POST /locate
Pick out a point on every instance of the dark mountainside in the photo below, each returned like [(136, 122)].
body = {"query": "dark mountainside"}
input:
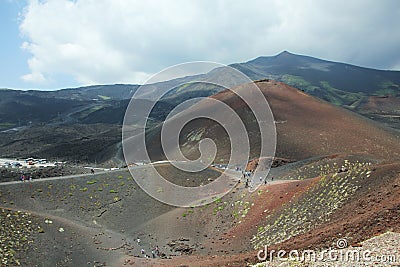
[(338, 83), (316, 76), (368, 92), (371, 93), (337, 174), (341, 180)]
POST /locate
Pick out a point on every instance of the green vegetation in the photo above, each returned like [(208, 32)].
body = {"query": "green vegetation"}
[(182, 87), (388, 88), (241, 208), (104, 97), (298, 82), (7, 125), (324, 90), (196, 135), (315, 206), (16, 235), (339, 97), (83, 114)]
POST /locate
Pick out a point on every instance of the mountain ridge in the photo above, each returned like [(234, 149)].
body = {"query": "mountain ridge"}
[(342, 84)]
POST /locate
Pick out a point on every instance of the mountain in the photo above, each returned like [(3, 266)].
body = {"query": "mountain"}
[(306, 127), (339, 178), (338, 83), (86, 93), (371, 93)]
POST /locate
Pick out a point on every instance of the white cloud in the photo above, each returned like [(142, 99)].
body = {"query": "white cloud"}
[(118, 41), (34, 77)]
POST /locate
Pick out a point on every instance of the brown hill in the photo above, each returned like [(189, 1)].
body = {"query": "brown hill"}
[(102, 215), (306, 127), (385, 109)]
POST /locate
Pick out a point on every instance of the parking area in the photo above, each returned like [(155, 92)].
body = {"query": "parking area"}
[(27, 163)]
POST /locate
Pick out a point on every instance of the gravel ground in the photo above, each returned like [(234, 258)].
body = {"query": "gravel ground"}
[(14, 174), (382, 250)]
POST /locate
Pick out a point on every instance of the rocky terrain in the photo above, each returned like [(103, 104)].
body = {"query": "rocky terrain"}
[(336, 176)]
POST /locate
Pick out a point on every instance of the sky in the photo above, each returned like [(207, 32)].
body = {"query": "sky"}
[(63, 43)]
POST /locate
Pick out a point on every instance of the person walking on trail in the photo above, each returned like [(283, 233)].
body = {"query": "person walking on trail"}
[(138, 240), (153, 254), (92, 171)]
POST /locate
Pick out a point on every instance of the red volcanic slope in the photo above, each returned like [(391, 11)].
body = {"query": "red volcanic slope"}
[(306, 127)]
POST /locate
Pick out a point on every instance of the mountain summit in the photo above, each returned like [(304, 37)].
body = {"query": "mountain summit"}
[(338, 83)]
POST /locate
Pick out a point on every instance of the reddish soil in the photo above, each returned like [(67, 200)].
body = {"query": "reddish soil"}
[(252, 165), (372, 211), (271, 200), (313, 127), (368, 213), (306, 127), (381, 104)]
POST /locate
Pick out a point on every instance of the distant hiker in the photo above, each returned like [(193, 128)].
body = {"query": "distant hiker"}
[(138, 240), (142, 251), (272, 178), (92, 171), (23, 178), (153, 253), (265, 181), (247, 183)]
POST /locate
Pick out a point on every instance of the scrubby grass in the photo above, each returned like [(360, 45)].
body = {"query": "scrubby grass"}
[(339, 97), (316, 205), (6, 125), (388, 88), (16, 235), (298, 82)]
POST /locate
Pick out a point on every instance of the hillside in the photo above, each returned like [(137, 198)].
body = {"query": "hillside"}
[(306, 127), (338, 83), (342, 181)]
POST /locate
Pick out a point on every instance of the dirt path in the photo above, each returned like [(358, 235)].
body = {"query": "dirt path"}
[(63, 177)]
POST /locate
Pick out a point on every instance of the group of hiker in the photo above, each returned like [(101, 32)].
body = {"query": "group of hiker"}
[(248, 174), (155, 252), (25, 177)]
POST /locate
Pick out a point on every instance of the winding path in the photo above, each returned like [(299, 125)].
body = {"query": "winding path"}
[(63, 177)]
